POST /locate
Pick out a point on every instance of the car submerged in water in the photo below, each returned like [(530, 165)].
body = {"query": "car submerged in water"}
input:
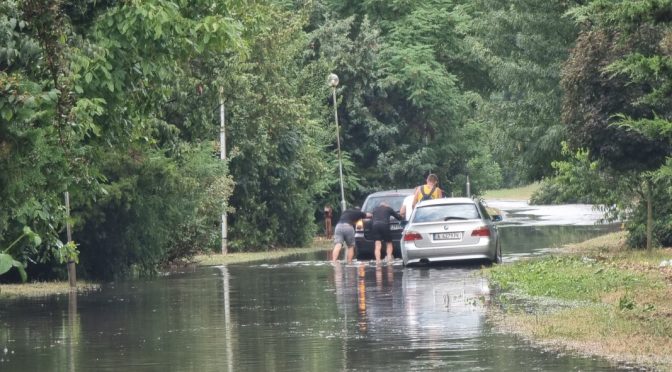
[(363, 235), (450, 229)]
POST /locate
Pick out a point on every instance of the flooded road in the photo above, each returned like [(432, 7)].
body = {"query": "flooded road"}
[(298, 314)]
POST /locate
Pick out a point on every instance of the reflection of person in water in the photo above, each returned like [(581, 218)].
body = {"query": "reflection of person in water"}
[(389, 278), (361, 300), (345, 284)]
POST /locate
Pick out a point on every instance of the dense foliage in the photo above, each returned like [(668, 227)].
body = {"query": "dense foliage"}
[(522, 46), (118, 103), (617, 102)]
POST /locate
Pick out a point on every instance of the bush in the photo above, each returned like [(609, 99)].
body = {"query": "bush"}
[(662, 226), (577, 180), (552, 191), (153, 210)]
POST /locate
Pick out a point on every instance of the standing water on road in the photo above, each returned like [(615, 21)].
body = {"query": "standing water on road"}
[(298, 314)]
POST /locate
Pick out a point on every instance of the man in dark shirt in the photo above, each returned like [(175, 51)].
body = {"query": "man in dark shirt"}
[(345, 232), (381, 230)]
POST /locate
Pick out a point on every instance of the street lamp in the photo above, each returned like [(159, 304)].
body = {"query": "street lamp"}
[(332, 80)]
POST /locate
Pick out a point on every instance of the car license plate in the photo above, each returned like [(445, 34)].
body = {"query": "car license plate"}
[(395, 226), (454, 235)]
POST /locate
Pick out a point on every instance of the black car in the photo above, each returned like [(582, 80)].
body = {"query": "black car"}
[(363, 239)]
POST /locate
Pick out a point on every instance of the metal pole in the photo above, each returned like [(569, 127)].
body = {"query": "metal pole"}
[(468, 188), (338, 145), (222, 156), (72, 272)]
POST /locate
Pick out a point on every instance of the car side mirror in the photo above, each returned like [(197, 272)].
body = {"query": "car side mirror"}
[(496, 218)]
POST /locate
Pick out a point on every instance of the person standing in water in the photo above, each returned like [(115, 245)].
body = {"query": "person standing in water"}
[(381, 230), (344, 232)]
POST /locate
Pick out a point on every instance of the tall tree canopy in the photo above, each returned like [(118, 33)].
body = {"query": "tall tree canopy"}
[(618, 69), (522, 45), (118, 103), (617, 102)]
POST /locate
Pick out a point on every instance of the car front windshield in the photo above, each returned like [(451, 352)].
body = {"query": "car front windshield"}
[(394, 201), (446, 212)]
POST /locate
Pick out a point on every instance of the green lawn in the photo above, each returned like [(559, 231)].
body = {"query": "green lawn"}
[(615, 301), (519, 193)]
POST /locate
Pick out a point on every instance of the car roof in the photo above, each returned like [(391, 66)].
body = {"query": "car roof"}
[(441, 201), (403, 192)]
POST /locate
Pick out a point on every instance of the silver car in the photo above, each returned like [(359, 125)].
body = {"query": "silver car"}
[(450, 229)]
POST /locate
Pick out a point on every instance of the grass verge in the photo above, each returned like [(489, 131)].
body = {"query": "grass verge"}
[(41, 289), (518, 193), (319, 244), (596, 298)]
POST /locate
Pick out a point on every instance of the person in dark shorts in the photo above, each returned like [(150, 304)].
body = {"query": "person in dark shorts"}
[(381, 230), (344, 232)]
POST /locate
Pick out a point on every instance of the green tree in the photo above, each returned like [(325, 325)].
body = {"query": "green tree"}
[(617, 79), (277, 145), (88, 90), (40, 124), (404, 102), (521, 46)]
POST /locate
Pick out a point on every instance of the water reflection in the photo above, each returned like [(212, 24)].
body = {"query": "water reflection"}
[(518, 241), (73, 330), (227, 317), (429, 318), (361, 300), (298, 316), (284, 315)]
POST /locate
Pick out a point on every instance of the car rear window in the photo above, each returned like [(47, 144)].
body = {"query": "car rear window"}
[(446, 212), (394, 202)]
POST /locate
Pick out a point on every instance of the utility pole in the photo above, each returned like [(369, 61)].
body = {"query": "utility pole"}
[(222, 156)]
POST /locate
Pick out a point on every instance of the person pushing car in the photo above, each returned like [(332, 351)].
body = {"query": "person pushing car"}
[(344, 233), (380, 228)]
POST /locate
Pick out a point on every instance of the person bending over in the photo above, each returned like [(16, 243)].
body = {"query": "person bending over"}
[(381, 230), (344, 232)]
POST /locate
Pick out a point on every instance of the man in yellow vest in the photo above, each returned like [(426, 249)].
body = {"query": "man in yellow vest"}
[(428, 191)]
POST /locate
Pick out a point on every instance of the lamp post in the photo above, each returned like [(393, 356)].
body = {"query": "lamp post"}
[(332, 80), (222, 156)]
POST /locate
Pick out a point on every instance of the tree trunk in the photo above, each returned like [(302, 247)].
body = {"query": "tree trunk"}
[(649, 215), (72, 273)]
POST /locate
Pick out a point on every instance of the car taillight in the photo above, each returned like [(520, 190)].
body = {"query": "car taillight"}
[(481, 231), (410, 236), (359, 226)]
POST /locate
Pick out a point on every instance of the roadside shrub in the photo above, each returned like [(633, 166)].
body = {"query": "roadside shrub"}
[(552, 191), (152, 210), (578, 180), (662, 226), (200, 230)]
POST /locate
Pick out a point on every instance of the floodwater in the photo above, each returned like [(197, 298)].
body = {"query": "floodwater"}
[(297, 314)]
